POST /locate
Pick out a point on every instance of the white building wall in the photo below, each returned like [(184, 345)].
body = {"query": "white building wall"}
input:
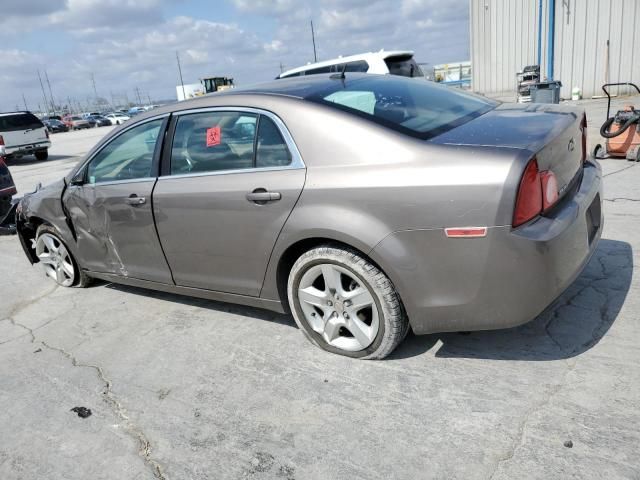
[(504, 38)]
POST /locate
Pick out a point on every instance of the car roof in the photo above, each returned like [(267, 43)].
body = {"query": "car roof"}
[(382, 54), (298, 87), (24, 112)]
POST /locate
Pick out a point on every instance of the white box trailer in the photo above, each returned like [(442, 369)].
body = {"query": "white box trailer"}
[(189, 90)]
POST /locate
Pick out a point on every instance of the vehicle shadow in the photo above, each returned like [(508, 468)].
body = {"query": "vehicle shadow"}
[(234, 309), (573, 324)]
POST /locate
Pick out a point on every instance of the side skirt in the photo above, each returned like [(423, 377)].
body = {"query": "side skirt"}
[(272, 305)]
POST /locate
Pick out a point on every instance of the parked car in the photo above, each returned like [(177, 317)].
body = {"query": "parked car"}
[(75, 122), (7, 190), (22, 133), (99, 121), (393, 62), (55, 126), (117, 118), (364, 204)]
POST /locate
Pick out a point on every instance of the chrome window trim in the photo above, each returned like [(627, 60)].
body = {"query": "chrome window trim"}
[(117, 182), (296, 159), (124, 130)]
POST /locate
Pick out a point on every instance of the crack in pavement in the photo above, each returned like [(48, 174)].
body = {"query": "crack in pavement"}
[(616, 199), (134, 431), (595, 334), (621, 170), (546, 400)]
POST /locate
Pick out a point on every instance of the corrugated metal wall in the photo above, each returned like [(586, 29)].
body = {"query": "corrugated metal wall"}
[(504, 38)]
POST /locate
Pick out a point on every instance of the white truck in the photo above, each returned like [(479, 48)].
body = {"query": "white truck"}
[(22, 133)]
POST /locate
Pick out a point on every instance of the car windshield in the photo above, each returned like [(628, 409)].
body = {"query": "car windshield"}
[(19, 121), (419, 108)]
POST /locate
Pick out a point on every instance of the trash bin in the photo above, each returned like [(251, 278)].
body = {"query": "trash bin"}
[(546, 92)]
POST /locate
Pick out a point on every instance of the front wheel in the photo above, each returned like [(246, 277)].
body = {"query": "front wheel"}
[(346, 305), (42, 154), (58, 263)]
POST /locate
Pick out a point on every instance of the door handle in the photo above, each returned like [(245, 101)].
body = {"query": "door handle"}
[(134, 199), (262, 196)]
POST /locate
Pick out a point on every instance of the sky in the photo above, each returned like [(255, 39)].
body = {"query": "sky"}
[(126, 45)]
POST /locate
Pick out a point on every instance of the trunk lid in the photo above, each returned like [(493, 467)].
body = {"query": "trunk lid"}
[(552, 133)]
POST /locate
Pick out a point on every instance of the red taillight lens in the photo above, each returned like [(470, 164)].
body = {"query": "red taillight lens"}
[(583, 127), (1, 140), (529, 201), (538, 192)]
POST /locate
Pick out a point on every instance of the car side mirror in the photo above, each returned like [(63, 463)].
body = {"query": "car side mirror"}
[(79, 178)]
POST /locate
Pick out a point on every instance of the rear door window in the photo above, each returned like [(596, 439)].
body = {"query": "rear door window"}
[(213, 141), (19, 121), (271, 150)]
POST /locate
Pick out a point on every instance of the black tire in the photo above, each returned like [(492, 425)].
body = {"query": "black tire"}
[(42, 154), (597, 151), (82, 280), (393, 322)]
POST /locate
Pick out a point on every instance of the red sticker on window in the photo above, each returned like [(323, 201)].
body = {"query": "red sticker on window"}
[(213, 136)]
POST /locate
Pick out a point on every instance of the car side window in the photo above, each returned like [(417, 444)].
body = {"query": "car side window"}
[(126, 157), (213, 141), (271, 149)]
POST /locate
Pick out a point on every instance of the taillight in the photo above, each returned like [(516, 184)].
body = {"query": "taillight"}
[(1, 140), (537, 193), (583, 127)]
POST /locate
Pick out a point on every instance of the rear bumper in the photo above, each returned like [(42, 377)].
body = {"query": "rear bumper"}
[(27, 149), (502, 280)]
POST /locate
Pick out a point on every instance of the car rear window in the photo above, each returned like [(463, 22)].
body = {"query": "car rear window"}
[(19, 121), (419, 108)]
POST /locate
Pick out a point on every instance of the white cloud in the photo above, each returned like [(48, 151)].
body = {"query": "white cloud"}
[(132, 43)]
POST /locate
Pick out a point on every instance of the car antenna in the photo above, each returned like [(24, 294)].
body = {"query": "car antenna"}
[(340, 76)]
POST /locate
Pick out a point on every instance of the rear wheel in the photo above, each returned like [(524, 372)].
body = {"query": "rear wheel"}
[(344, 304), (57, 261), (42, 154)]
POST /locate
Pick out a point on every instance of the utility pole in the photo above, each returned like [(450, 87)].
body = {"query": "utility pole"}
[(25, 102), (44, 95), (184, 95), (53, 102), (313, 39)]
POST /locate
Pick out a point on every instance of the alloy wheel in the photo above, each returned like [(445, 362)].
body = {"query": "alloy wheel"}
[(339, 306), (55, 259)]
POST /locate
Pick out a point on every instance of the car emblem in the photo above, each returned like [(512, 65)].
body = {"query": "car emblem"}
[(572, 145)]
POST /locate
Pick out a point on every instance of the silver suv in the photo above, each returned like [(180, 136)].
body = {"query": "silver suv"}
[(22, 133)]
